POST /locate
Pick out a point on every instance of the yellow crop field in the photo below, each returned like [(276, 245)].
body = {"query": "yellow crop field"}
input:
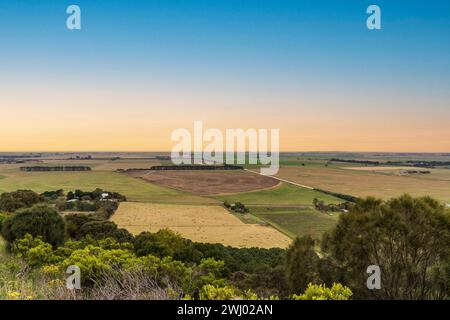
[(211, 224)]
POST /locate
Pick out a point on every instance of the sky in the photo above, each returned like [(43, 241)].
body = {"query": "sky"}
[(138, 70)]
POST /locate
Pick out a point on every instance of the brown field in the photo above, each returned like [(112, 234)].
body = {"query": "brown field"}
[(208, 182), (211, 224), (363, 183)]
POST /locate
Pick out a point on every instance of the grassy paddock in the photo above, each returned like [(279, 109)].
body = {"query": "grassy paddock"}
[(284, 194), (297, 221), (133, 189)]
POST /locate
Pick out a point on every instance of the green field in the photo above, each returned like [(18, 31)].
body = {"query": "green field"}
[(297, 221), (287, 208), (284, 194), (133, 189)]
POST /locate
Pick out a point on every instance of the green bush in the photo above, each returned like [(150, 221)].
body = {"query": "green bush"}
[(34, 251), (53, 195), (210, 271), (95, 261), (239, 207), (166, 243), (302, 264), (75, 221), (321, 292), (99, 229), (408, 238), (211, 292), (12, 201), (3, 216), (39, 220)]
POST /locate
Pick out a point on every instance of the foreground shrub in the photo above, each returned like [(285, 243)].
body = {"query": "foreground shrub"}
[(39, 220), (210, 292), (210, 271), (95, 263), (302, 264)]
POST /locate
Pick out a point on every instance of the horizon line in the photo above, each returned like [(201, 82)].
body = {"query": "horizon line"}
[(161, 151)]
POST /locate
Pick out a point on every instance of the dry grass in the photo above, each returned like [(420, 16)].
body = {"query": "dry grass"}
[(212, 224)]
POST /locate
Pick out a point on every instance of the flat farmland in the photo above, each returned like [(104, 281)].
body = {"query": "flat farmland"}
[(297, 221), (210, 182), (133, 189), (282, 194), (211, 224), (362, 183)]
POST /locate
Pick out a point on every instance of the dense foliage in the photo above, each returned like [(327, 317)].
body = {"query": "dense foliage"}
[(12, 201), (105, 229), (52, 195), (39, 220), (408, 238), (97, 194), (238, 207), (302, 264), (3, 216), (321, 292)]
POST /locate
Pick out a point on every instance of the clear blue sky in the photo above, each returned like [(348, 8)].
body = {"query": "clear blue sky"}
[(244, 36)]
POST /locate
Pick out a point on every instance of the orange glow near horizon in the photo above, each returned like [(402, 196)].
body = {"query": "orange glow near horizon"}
[(113, 119)]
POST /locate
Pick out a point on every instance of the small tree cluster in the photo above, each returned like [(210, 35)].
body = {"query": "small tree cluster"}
[(12, 201), (236, 207)]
